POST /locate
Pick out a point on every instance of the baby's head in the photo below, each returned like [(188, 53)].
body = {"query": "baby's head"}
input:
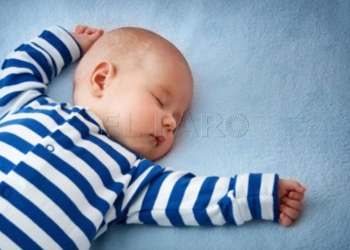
[(139, 84)]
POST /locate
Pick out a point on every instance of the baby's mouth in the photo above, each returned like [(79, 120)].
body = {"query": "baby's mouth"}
[(159, 139)]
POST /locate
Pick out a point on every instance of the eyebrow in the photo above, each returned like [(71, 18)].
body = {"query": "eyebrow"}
[(165, 89)]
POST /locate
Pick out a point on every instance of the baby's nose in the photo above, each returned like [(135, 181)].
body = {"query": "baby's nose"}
[(169, 123)]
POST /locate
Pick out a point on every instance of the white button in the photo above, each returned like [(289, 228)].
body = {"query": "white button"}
[(50, 147)]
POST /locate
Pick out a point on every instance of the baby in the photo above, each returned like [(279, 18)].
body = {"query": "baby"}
[(68, 173)]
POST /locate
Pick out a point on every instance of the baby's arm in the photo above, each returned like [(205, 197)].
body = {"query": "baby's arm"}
[(26, 71), (175, 198)]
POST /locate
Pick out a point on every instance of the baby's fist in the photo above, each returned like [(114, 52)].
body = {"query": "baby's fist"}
[(290, 194), (86, 36)]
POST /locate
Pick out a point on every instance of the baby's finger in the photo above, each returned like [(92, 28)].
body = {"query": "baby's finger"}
[(97, 33), (76, 30), (300, 188), (296, 195), (285, 220), (290, 212), (80, 29), (296, 204), (90, 31), (295, 186)]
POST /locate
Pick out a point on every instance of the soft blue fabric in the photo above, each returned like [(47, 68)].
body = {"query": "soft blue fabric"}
[(283, 65)]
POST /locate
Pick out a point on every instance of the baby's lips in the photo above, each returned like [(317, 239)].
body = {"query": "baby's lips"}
[(160, 138)]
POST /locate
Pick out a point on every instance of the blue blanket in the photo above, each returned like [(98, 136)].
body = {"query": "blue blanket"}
[(272, 91)]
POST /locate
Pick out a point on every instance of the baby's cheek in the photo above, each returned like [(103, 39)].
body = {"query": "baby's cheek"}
[(169, 144), (170, 139)]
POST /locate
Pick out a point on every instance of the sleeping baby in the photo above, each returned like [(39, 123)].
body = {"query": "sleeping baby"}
[(70, 172)]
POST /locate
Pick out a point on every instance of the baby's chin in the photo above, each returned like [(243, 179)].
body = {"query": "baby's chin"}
[(152, 153), (146, 148)]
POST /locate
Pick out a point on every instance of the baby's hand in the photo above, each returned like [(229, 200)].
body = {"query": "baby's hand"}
[(290, 194), (86, 36)]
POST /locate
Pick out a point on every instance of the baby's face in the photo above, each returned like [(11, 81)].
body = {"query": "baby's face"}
[(145, 103)]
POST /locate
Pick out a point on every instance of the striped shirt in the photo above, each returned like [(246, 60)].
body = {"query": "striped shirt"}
[(64, 181)]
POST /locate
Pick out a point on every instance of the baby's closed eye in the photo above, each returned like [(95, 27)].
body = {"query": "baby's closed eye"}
[(159, 100)]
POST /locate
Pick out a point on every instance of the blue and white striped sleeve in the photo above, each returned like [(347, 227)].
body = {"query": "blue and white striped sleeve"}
[(32, 65), (174, 198)]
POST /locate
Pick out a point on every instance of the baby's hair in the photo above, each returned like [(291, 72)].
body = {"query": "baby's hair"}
[(115, 45)]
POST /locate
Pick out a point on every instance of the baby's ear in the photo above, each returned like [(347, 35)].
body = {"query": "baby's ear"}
[(101, 75)]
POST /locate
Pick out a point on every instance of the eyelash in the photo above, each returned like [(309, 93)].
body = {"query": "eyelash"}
[(159, 102)]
